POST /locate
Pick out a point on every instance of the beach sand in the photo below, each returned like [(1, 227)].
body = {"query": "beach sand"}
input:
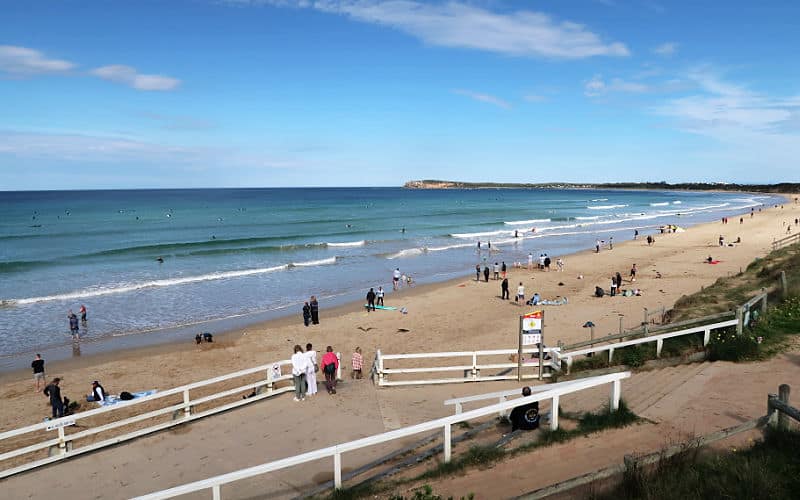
[(459, 314)]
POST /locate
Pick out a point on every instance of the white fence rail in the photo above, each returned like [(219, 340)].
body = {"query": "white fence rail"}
[(215, 483), (64, 445), (470, 367), (658, 339)]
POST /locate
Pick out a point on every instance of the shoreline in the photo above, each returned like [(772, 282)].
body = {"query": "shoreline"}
[(176, 339)]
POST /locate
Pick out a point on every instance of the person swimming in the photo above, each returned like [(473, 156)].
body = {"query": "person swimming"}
[(160, 260)]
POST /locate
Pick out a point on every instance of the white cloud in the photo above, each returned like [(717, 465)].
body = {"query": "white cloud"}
[(22, 61), (666, 49), (454, 24), (595, 86), (129, 76), (490, 99)]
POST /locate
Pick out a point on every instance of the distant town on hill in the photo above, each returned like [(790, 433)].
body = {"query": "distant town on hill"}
[(783, 187)]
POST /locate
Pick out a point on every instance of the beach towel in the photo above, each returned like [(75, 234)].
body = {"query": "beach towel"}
[(111, 400), (715, 262), (556, 302)]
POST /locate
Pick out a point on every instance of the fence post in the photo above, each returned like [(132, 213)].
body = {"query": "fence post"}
[(706, 337), (554, 414), (187, 409), (739, 321), (380, 366), (337, 471), (783, 394), (616, 393), (784, 289), (448, 443), (764, 303), (610, 355), (659, 346), (339, 369), (645, 322), (62, 443), (475, 366), (772, 417), (215, 493)]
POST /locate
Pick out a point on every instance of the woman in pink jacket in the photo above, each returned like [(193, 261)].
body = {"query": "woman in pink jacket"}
[(330, 366)]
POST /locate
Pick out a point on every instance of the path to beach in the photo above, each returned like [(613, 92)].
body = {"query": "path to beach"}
[(457, 315)]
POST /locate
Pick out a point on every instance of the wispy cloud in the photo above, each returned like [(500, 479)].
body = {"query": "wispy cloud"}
[(179, 122), (127, 75), (23, 61), (490, 99), (455, 24), (534, 98), (598, 86), (666, 49)]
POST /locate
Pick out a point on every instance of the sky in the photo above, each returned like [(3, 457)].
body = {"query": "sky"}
[(287, 93)]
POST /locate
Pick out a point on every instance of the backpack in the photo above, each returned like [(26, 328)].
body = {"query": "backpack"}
[(125, 396)]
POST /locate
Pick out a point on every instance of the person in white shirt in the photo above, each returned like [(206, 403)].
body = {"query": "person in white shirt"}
[(396, 278), (520, 293), (379, 295), (299, 369), (311, 370), (98, 393), (530, 260)]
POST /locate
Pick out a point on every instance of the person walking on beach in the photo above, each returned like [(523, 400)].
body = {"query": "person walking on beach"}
[(396, 278), (613, 285), (547, 262), (314, 310), (619, 282), (82, 310), (520, 293), (330, 364), (611, 243), (54, 392), (486, 273), (357, 363), (560, 264), (477, 272), (649, 240), (530, 261), (311, 370), (503, 269), (633, 273), (371, 300), (379, 295), (299, 369), (73, 322), (306, 314), (597, 246), (38, 372), (635, 234), (496, 270), (504, 289)]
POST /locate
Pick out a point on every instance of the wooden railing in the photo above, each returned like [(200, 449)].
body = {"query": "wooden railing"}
[(786, 241), (445, 424)]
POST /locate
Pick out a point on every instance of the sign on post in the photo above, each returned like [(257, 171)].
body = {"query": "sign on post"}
[(57, 425), (531, 328)]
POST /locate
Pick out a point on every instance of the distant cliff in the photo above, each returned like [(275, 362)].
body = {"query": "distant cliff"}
[(785, 187)]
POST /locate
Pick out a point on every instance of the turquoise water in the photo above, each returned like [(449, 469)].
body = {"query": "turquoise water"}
[(241, 252)]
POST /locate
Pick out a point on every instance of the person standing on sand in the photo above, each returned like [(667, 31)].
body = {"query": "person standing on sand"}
[(371, 300), (330, 364), (560, 264), (530, 261), (299, 369), (633, 273), (306, 314), (486, 273), (611, 243), (504, 289), (496, 269), (520, 293), (649, 240), (597, 246), (314, 310), (379, 295), (311, 370), (635, 234), (503, 269), (547, 262), (54, 392), (619, 282), (38, 372), (395, 278), (613, 285), (477, 272), (357, 363)]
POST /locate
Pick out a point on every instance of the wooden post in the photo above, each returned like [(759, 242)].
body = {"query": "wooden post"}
[(645, 322), (783, 394), (620, 325), (541, 350), (739, 321), (764, 303), (448, 443), (519, 352), (784, 289), (616, 393)]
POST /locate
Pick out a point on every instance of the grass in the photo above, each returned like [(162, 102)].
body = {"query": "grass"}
[(425, 492), (768, 470)]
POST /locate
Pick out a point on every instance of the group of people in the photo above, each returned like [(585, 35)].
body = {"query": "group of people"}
[(311, 311), (399, 279), (373, 297), (60, 405), (73, 320), (616, 285), (305, 368)]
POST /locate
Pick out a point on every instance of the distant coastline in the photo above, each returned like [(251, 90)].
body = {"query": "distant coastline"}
[(784, 187)]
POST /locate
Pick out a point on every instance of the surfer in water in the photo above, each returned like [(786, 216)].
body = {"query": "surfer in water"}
[(160, 260)]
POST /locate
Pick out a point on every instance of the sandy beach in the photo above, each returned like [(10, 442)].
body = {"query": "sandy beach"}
[(460, 314)]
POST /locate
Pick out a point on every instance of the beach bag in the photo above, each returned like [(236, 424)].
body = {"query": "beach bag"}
[(125, 396), (316, 368), (330, 368)]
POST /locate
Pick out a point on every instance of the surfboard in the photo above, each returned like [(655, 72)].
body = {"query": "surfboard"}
[(384, 308)]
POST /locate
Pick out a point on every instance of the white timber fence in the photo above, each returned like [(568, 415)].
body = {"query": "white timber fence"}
[(469, 366), (569, 356), (32, 446), (445, 424)]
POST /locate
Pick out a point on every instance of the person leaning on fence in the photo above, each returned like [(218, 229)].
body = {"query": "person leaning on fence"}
[(525, 417), (299, 368), (330, 364)]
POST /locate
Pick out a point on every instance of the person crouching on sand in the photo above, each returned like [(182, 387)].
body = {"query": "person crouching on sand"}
[(330, 364)]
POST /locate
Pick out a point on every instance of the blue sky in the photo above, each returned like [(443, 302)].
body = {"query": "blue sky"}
[(207, 93)]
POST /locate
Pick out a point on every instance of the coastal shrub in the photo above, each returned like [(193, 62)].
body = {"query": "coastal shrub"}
[(633, 356), (726, 345), (426, 493), (767, 470), (607, 419)]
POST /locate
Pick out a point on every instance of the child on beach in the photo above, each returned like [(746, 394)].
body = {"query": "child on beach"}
[(357, 363)]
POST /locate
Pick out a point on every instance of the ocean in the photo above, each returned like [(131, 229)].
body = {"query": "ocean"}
[(147, 261)]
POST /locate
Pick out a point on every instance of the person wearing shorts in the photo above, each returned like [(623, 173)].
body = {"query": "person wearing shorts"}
[(38, 372), (396, 278)]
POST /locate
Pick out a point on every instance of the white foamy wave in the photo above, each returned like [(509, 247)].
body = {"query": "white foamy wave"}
[(347, 244), (479, 235), (310, 263), (600, 199), (604, 207), (408, 252), (677, 202), (96, 292), (663, 204), (449, 247), (525, 222), (594, 217)]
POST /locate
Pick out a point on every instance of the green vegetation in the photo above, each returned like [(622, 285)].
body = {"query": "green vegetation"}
[(426, 493), (768, 470)]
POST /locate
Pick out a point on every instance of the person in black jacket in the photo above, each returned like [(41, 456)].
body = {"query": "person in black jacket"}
[(504, 289), (54, 392), (371, 300), (525, 417), (306, 314), (314, 310)]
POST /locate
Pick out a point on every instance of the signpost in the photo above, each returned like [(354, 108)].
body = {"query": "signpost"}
[(531, 332)]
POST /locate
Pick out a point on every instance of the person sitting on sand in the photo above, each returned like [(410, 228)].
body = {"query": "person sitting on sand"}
[(525, 417), (709, 259), (98, 394)]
